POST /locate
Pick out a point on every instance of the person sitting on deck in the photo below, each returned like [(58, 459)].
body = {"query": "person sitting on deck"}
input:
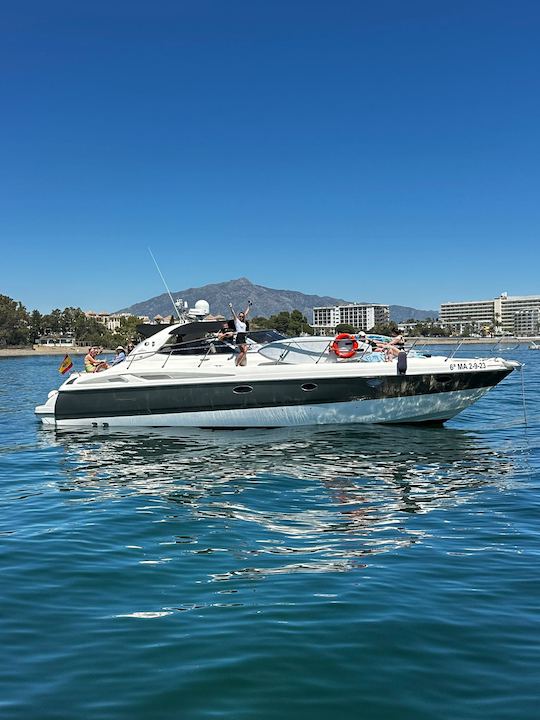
[(120, 355), (225, 333), (91, 363), (371, 350)]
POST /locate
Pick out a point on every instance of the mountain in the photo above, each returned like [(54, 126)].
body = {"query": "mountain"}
[(401, 313), (266, 301)]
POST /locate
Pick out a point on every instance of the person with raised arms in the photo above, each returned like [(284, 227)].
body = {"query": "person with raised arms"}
[(241, 326)]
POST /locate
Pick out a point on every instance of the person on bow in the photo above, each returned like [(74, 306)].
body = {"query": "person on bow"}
[(91, 363)]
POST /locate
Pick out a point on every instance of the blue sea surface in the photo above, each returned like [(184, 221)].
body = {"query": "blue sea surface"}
[(341, 572)]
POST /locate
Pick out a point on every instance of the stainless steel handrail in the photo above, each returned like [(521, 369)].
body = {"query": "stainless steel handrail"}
[(207, 353), (325, 349), (455, 351)]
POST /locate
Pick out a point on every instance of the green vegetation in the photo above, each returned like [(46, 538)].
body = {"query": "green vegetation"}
[(13, 322), (19, 327), (345, 328), (389, 328), (428, 329), (292, 324)]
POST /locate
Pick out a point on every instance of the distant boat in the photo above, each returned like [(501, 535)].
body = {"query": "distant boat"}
[(534, 346)]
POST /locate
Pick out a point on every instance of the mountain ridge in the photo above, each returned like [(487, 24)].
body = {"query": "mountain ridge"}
[(266, 301)]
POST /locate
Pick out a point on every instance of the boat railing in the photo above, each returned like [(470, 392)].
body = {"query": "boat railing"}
[(449, 357), (290, 344), (412, 346), (138, 355), (144, 354), (497, 347), (168, 357), (508, 338), (321, 355), (169, 351), (211, 350)]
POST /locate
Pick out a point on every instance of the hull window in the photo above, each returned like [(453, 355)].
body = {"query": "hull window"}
[(308, 387), (241, 389)]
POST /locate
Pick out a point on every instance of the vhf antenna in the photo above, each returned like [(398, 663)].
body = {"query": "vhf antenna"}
[(166, 286)]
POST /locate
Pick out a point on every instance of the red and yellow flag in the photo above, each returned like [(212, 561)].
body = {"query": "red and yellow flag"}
[(65, 365)]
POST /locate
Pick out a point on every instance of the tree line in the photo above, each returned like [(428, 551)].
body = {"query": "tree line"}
[(20, 327), (289, 323)]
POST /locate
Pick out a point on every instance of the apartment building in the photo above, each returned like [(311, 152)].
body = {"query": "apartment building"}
[(527, 323), (360, 315), (499, 313)]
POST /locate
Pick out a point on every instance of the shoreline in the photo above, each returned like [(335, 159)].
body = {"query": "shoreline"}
[(45, 351), (78, 350), (472, 341)]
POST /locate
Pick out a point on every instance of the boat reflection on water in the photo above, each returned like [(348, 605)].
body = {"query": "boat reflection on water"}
[(292, 500)]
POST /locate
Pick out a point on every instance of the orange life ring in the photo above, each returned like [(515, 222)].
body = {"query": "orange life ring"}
[(335, 347)]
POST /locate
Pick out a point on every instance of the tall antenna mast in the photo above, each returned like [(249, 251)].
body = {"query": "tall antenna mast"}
[(166, 286)]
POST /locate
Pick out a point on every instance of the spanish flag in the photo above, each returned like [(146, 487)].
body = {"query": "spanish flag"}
[(65, 365)]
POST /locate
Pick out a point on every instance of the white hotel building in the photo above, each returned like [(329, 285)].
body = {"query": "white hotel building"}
[(112, 321), (360, 316), (513, 315)]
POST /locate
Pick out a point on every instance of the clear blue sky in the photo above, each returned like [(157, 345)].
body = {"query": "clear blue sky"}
[(384, 151)]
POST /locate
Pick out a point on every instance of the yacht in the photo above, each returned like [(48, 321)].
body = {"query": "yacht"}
[(182, 375)]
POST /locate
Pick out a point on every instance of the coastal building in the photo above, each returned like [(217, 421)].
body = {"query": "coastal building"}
[(527, 323), (504, 314), (361, 316), (56, 340), (112, 320)]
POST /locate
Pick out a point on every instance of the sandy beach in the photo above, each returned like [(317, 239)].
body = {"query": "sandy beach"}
[(35, 351)]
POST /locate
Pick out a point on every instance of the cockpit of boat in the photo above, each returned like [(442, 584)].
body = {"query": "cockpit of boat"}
[(178, 345)]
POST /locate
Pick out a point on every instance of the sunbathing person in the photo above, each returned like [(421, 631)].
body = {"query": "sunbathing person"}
[(395, 346)]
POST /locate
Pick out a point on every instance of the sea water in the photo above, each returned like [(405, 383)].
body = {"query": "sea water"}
[(346, 572)]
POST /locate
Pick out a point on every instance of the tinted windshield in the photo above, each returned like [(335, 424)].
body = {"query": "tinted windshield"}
[(195, 347), (200, 346), (265, 336)]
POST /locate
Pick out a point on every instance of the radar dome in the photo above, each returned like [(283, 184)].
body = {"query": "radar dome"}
[(202, 307)]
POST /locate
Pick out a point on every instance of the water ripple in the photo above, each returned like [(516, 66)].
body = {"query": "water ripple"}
[(270, 574)]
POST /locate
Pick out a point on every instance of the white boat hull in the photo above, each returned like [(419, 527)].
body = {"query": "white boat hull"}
[(415, 409), (154, 389)]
